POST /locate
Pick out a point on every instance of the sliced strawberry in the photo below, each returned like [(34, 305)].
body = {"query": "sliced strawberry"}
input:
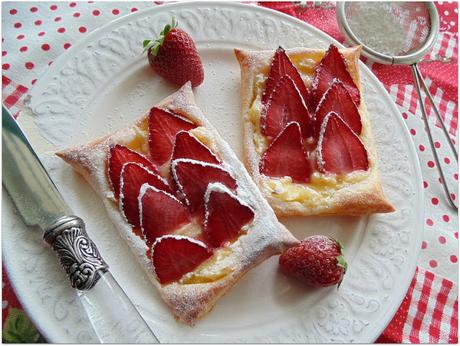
[(286, 156), (337, 99), (192, 177), (285, 105), (163, 127), (175, 256), (133, 176), (225, 215), (118, 156), (186, 146), (333, 67), (281, 66), (160, 213), (339, 149)]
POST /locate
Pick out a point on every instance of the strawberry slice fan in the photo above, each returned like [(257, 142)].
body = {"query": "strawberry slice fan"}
[(382, 46), (328, 141)]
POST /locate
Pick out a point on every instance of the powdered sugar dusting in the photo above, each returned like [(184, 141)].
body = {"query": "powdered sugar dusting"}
[(176, 162), (219, 188), (122, 182), (177, 237), (388, 27), (265, 108), (144, 188), (335, 81), (197, 139), (319, 152)]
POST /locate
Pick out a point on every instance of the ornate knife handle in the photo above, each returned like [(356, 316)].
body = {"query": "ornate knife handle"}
[(77, 253)]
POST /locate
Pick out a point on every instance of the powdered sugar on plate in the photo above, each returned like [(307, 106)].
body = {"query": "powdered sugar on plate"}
[(388, 27)]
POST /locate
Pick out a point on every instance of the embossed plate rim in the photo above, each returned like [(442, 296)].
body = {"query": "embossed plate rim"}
[(373, 80)]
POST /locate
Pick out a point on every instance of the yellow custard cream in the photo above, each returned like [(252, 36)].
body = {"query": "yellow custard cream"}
[(216, 268), (139, 140), (320, 188)]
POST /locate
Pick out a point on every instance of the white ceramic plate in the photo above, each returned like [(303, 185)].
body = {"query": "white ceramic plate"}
[(104, 82)]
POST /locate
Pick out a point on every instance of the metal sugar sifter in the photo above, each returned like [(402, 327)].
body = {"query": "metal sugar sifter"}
[(397, 33)]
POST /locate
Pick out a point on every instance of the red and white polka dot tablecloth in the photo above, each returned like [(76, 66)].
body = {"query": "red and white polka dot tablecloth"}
[(36, 33)]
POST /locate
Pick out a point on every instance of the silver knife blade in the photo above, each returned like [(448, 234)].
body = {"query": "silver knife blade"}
[(26, 180), (112, 314)]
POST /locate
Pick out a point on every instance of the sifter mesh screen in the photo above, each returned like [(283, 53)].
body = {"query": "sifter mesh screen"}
[(391, 28)]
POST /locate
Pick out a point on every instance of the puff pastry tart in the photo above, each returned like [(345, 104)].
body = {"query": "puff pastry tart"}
[(307, 136), (183, 201)]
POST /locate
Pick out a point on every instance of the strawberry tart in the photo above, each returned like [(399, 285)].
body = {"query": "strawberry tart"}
[(183, 201), (307, 135)]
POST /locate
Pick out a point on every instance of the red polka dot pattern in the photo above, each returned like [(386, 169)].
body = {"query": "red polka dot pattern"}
[(429, 222), (29, 65), (430, 164), (13, 11), (116, 12), (442, 239), (445, 218), (96, 12), (435, 201), (433, 263), (82, 29), (453, 259), (45, 47)]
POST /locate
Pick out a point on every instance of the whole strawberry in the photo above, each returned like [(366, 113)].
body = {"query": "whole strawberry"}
[(173, 56), (317, 261)]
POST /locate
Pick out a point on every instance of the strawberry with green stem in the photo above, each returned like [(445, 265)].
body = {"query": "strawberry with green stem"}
[(173, 55)]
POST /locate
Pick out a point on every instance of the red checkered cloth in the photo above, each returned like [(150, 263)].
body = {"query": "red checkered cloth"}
[(428, 313), (12, 95)]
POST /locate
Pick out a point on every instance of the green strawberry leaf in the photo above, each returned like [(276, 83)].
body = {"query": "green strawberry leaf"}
[(342, 263), (19, 329), (154, 45)]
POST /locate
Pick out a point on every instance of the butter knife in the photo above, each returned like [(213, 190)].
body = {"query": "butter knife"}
[(113, 316)]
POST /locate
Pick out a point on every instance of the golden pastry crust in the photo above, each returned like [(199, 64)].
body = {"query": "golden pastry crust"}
[(265, 236), (363, 196)]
